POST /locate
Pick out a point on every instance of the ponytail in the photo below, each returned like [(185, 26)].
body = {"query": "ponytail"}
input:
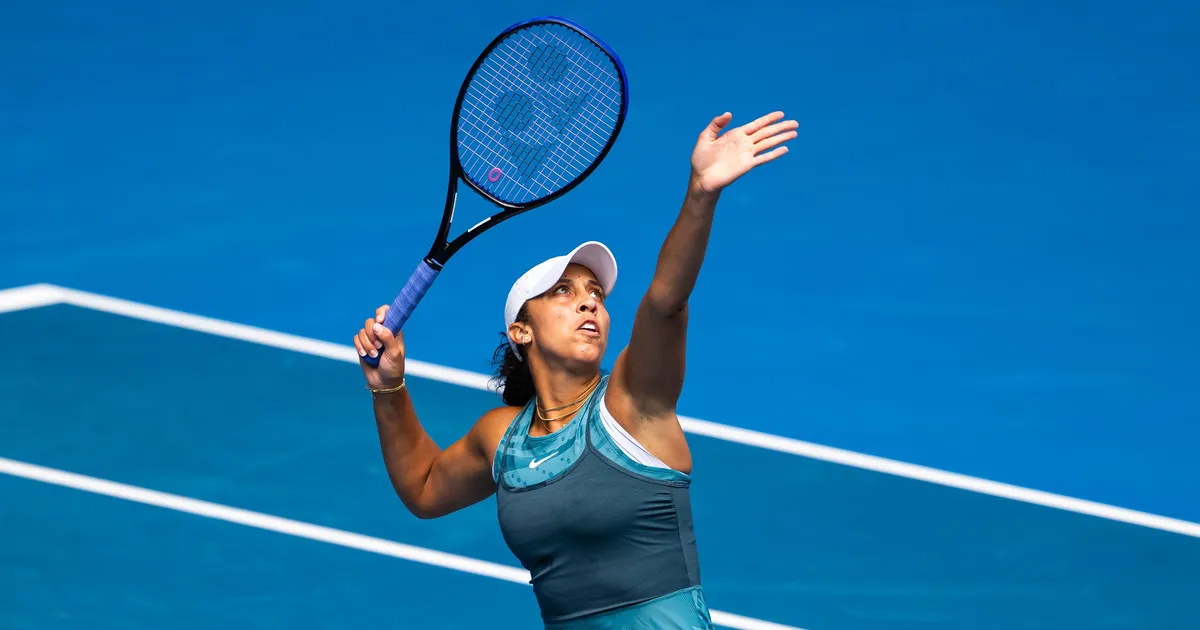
[(511, 372)]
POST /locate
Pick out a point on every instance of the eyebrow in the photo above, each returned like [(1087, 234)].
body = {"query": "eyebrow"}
[(589, 282)]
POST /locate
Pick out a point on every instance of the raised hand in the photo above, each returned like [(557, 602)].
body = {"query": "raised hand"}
[(720, 159), (377, 341)]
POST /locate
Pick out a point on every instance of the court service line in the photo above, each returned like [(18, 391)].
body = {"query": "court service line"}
[(44, 294), (310, 531)]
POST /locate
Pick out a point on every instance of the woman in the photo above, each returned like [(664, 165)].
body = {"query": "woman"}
[(591, 471)]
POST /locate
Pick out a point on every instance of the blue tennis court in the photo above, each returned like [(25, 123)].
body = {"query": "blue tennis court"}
[(815, 545), (957, 386)]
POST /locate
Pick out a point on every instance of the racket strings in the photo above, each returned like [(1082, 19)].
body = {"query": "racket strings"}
[(540, 128), (538, 112), (509, 58)]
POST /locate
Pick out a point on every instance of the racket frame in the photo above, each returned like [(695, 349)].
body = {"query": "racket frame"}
[(441, 250)]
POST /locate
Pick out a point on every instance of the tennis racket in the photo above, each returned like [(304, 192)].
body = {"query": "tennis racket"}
[(536, 114)]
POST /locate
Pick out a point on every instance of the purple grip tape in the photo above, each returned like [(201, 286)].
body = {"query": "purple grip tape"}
[(406, 302)]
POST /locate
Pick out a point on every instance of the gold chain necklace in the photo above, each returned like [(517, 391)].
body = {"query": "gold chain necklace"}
[(587, 392), (546, 421)]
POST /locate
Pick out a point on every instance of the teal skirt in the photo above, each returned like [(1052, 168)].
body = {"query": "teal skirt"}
[(681, 610)]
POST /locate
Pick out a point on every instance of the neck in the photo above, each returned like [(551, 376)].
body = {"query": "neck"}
[(558, 388)]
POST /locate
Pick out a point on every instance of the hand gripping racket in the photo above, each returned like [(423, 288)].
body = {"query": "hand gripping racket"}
[(536, 114)]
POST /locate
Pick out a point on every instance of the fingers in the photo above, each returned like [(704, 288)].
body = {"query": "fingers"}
[(771, 130), (364, 346), (365, 341), (773, 141), (753, 126), (714, 128), (384, 337), (368, 341), (369, 329), (763, 158)]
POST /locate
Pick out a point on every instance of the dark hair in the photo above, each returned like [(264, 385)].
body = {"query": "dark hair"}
[(513, 373)]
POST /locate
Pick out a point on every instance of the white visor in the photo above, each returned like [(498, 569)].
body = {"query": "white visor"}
[(593, 254)]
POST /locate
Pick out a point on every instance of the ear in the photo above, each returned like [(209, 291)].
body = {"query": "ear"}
[(520, 333)]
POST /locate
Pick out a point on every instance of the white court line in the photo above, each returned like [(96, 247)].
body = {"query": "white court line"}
[(32, 296), (307, 530), (42, 295)]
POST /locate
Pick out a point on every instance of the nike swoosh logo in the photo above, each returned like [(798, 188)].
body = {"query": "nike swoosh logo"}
[(535, 463)]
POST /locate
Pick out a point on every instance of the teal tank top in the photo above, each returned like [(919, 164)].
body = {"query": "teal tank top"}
[(607, 540)]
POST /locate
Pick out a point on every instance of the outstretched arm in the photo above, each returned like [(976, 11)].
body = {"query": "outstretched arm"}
[(647, 378)]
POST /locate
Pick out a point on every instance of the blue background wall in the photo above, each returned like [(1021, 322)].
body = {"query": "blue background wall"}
[(980, 254)]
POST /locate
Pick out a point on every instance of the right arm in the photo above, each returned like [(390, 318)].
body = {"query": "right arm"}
[(431, 482)]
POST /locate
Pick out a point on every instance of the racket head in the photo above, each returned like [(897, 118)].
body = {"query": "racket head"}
[(539, 110)]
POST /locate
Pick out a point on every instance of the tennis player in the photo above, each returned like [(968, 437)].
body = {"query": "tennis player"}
[(591, 470)]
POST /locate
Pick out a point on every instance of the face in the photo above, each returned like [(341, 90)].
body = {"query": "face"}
[(568, 322)]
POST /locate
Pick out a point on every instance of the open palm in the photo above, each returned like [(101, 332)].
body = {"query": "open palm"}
[(720, 159)]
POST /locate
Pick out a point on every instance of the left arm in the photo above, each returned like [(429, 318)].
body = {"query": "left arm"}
[(649, 372), (647, 378)]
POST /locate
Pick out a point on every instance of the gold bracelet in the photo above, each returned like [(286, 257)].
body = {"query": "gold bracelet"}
[(387, 390)]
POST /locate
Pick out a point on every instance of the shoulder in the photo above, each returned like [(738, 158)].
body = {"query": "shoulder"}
[(655, 429), (490, 428), (625, 406)]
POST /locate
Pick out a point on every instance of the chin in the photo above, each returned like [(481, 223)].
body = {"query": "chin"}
[(590, 354)]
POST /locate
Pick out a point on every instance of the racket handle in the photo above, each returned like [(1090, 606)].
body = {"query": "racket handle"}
[(406, 302)]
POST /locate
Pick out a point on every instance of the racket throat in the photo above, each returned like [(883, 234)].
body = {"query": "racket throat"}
[(439, 252)]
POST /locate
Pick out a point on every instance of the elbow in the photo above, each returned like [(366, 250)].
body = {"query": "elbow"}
[(425, 515), (663, 302), (425, 509), (415, 505), (423, 512)]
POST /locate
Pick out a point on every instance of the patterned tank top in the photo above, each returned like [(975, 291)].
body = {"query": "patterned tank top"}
[(607, 540)]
